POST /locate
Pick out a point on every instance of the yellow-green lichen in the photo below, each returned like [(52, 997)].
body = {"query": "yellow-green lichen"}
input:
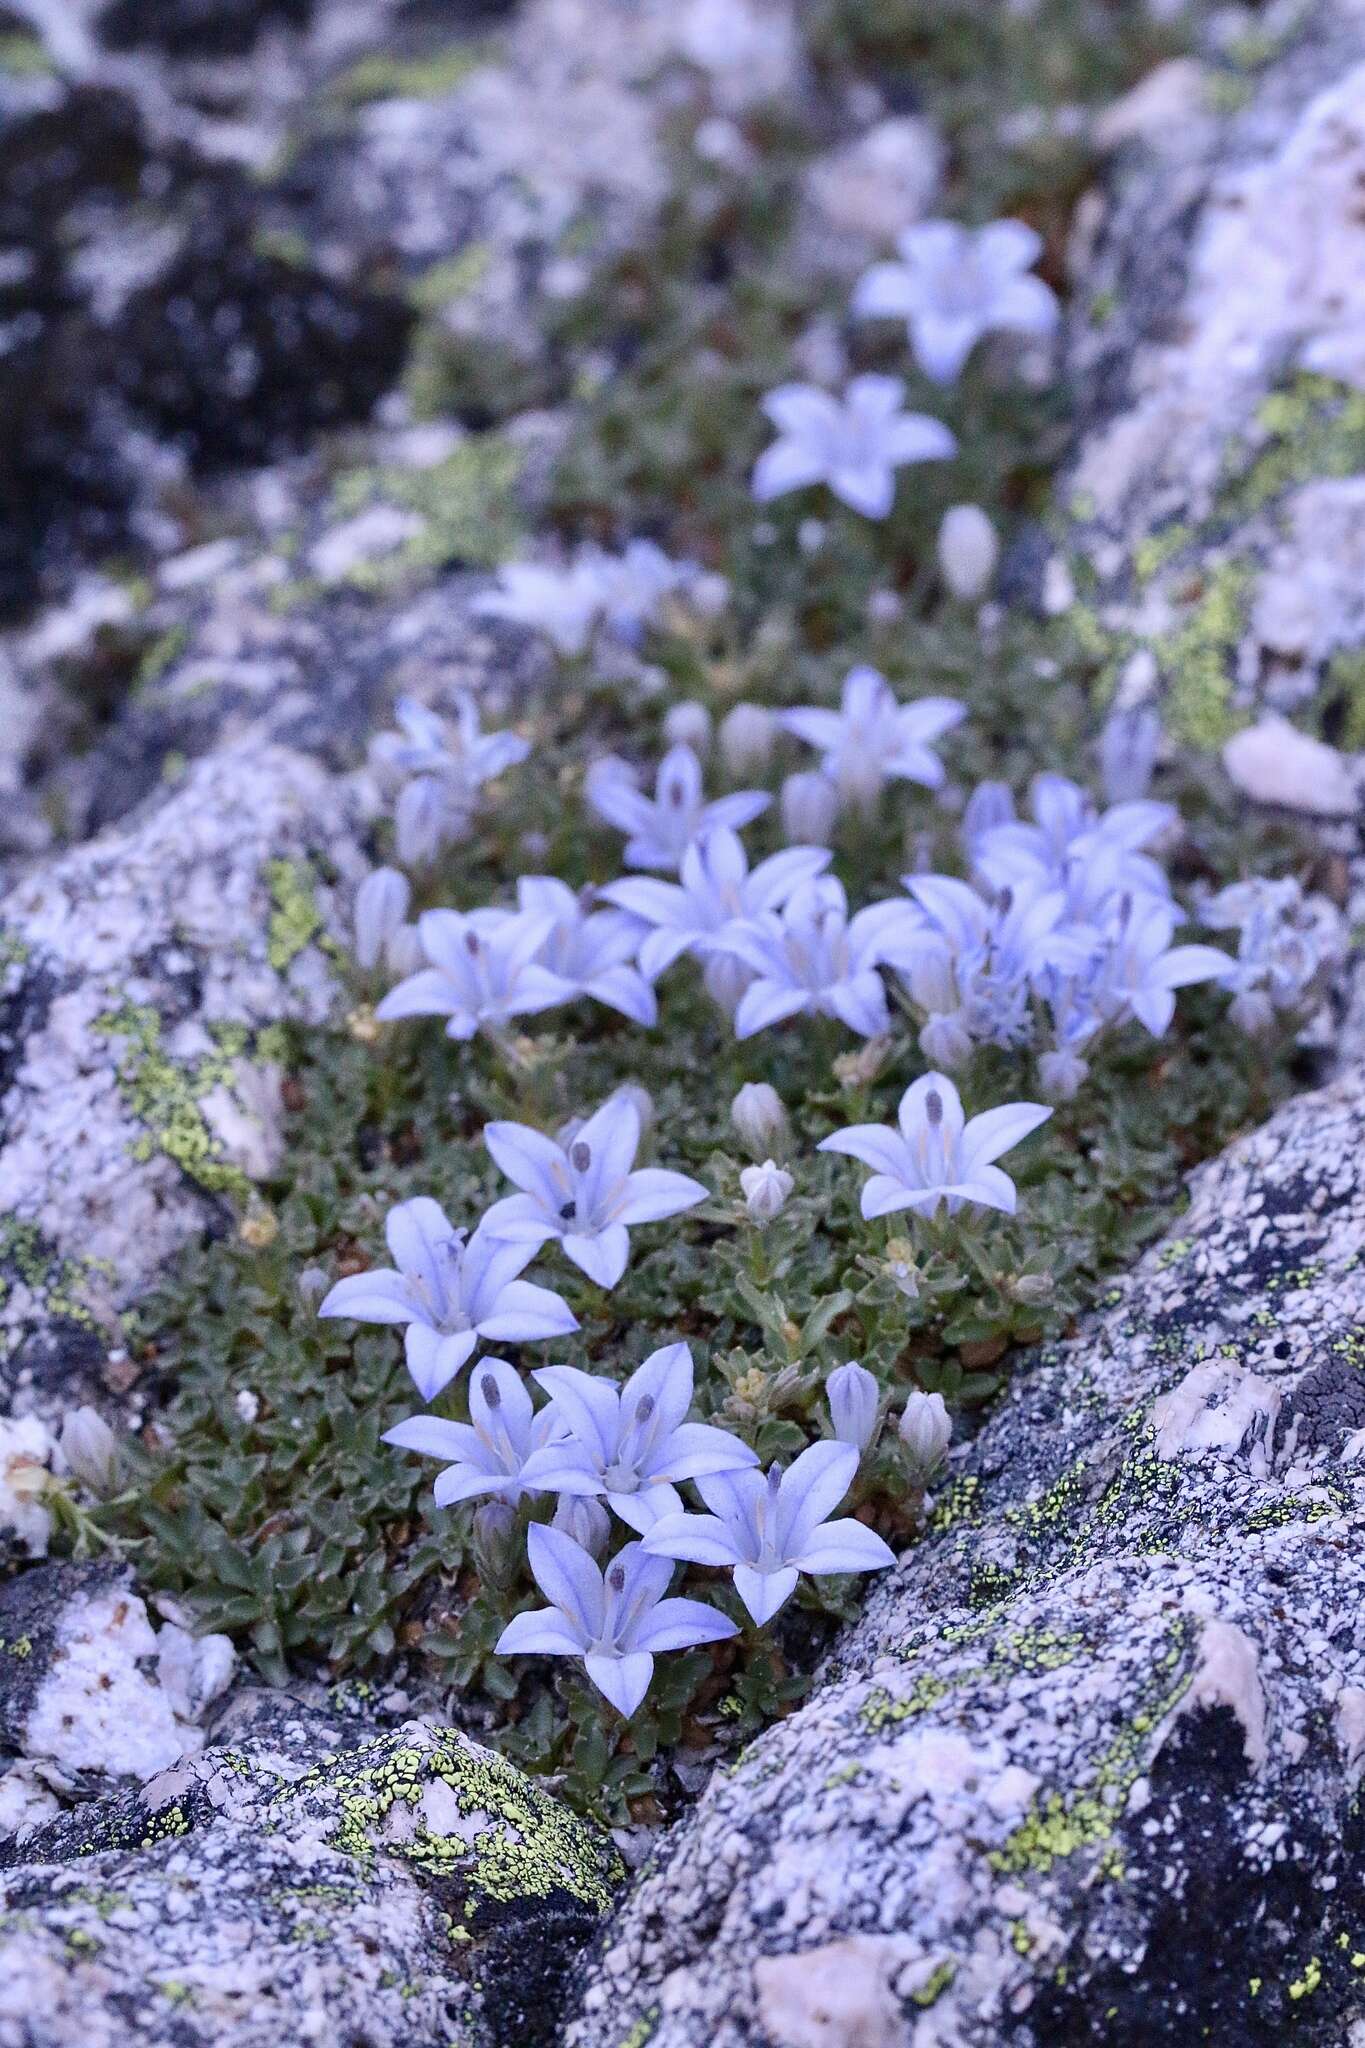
[(295, 919), (62, 1285), (880, 1710), (1151, 554), (468, 504), (530, 1847), (380, 77), (935, 1984), (1196, 660), (1307, 1984), (166, 1097), (1060, 1825), (24, 56), (446, 282), (1313, 428)]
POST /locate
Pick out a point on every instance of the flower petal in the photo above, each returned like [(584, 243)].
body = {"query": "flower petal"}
[(567, 1577), (698, 1539), (622, 1680), (531, 1161), (679, 1624), (811, 1485), (382, 1296), (434, 1360), (525, 1314), (843, 1546), (997, 1131), (695, 1449), (544, 1632), (591, 1406), (433, 1436), (603, 1256), (764, 1592), (651, 1194)]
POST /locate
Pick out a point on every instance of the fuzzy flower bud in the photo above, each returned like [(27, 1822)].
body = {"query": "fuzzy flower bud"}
[(853, 1396), (968, 550), (725, 979), (945, 1042), (926, 1430), (766, 1189), (760, 1120), (1128, 750), (689, 725), (747, 737), (990, 804), (1062, 1075), (90, 1449), (496, 1552), (420, 821), (381, 905), (810, 808), (640, 1100), (587, 1521)]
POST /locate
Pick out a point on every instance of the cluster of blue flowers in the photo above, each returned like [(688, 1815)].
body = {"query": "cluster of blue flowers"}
[(1061, 929)]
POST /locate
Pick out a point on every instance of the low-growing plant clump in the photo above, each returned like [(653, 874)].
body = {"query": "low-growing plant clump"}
[(798, 1013)]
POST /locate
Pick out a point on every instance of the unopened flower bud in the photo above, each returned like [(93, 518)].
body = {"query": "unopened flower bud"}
[(926, 1430), (404, 950), (640, 1100), (1033, 1289), (381, 905), (603, 772), (990, 804), (494, 1542), (968, 550), (1062, 1075), (761, 1121), (725, 979), (90, 1449), (810, 808), (1128, 751), (853, 1396), (945, 1042), (747, 735), (587, 1521), (419, 821), (689, 725), (312, 1283), (766, 1189), (1252, 1012)]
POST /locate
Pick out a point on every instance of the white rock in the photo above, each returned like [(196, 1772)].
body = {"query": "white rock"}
[(26, 1452), (371, 535), (96, 1709), (1218, 1407), (1274, 763)]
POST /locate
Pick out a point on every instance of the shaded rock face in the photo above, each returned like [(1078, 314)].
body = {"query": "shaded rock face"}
[(393, 1888), (64, 487), (139, 297), (198, 28), (235, 354), (1086, 1770)]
